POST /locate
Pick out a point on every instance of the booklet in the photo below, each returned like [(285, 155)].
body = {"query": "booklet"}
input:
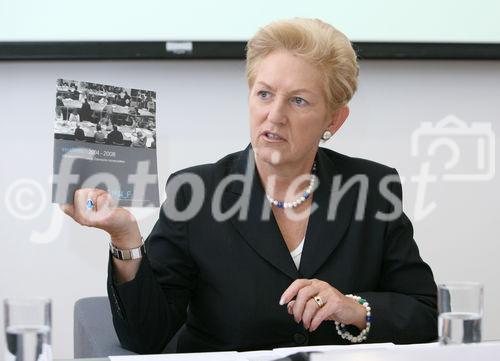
[(105, 137)]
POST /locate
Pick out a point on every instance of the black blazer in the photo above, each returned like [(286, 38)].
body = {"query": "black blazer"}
[(223, 280)]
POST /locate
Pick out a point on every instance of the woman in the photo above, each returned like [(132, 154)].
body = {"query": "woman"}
[(276, 248), (115, 137), (138, 140), (99, 135), (86, 111), (74, 116), (59, 114), (123, 99)]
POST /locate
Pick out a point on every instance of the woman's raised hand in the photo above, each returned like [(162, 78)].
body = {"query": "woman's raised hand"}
[(96, 208)]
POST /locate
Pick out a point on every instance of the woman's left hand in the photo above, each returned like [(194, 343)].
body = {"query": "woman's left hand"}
[(299, 297)]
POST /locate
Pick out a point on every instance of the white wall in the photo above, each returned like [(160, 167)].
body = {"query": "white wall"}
[(202, 116), (193, 20)]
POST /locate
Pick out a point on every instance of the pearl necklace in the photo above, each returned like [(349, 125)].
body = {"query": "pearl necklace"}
[(301, 199)]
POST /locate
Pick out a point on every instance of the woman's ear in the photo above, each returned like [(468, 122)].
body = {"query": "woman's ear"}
[(338, 118)]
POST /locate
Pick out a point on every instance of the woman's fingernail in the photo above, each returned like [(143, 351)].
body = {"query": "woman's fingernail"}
[(282, 301)]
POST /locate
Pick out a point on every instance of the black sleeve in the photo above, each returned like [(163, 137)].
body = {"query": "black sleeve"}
[(404, 305), (149, 310)]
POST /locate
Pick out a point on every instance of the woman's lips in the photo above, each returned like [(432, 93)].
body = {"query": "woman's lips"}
[(273, 137)]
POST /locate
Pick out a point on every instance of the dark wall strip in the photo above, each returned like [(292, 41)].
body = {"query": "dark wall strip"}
[(228, 50)]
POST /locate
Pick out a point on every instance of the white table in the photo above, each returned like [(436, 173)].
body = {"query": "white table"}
[(486, 351)]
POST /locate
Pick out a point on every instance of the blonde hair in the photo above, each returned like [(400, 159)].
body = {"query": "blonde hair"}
[(318, 43)]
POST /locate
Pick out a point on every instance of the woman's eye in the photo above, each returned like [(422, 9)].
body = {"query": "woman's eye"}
[(263, 94), (299, 101)]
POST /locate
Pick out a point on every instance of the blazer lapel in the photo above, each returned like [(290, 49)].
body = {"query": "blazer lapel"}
[(261, 233), (324, 235)]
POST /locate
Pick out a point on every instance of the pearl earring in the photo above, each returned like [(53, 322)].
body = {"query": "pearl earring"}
[(326, 135)]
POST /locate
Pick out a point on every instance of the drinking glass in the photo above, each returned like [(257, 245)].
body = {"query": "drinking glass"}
[(460, 307), (28, 329)]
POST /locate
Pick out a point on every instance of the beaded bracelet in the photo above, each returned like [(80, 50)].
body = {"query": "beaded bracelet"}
[(342, 330)]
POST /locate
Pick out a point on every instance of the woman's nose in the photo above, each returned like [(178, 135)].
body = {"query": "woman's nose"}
[(277, 112)]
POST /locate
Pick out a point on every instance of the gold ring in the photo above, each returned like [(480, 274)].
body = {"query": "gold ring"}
[(319, 301)]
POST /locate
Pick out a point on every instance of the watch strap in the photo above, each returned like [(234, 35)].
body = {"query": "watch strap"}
[(127, 254)]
